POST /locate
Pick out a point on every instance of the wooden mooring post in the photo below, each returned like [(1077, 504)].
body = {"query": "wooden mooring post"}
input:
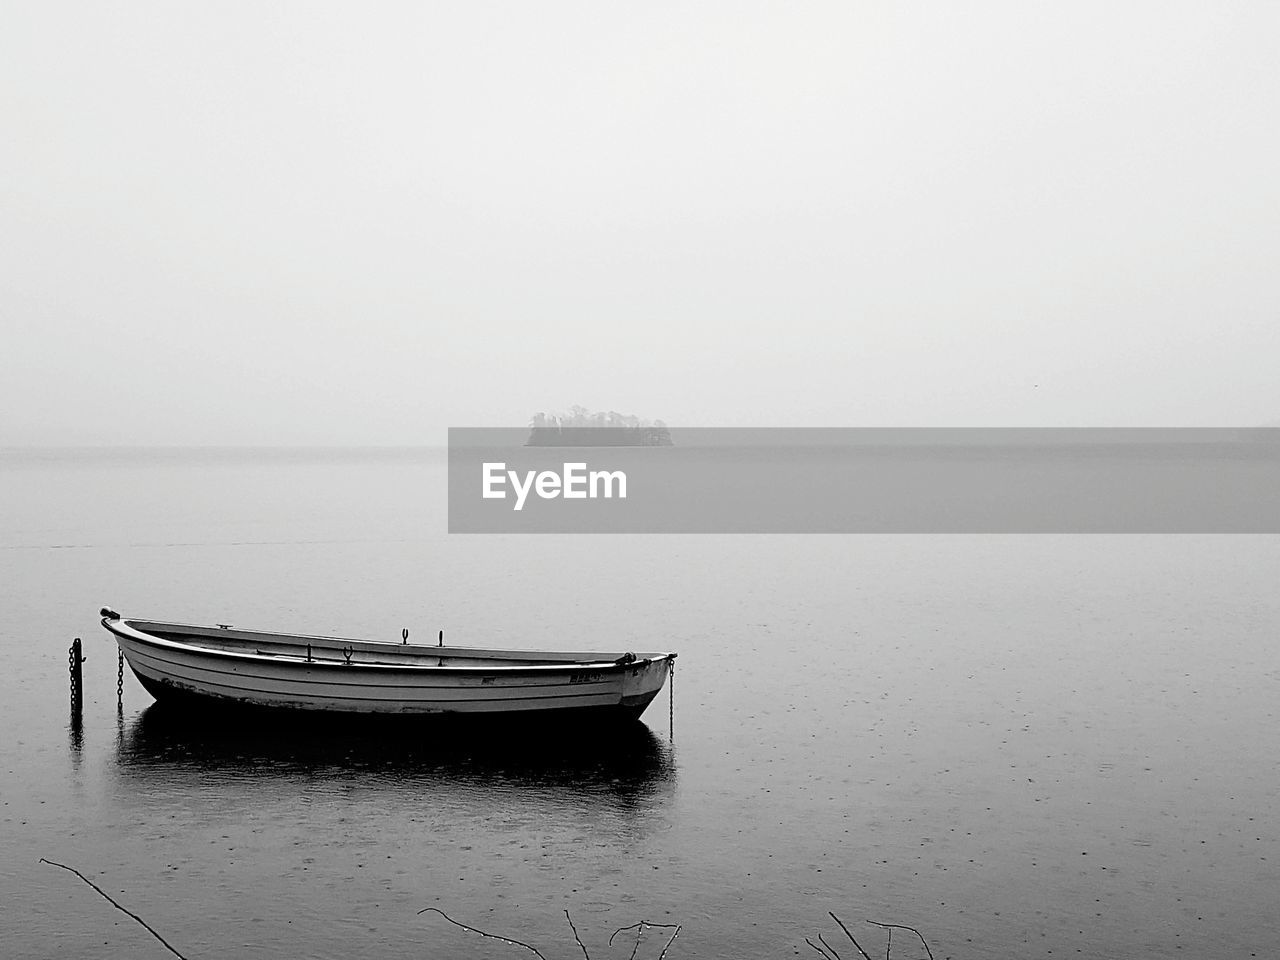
[(74, 660)]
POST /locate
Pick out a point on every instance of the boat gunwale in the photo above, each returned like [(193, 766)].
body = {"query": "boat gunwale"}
[(123, 627)]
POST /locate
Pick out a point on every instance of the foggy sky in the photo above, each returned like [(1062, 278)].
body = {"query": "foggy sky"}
[(314, 223)]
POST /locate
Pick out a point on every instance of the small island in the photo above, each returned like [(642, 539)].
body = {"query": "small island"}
[(583, 428)]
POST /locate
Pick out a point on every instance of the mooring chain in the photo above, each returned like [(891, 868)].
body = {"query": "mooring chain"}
[(671, 702), (120, 680), (71, 671)]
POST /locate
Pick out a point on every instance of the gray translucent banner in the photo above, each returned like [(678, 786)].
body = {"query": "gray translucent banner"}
[(713, 480)]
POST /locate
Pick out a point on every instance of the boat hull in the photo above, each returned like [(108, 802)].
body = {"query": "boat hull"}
[(360, 677), (201, 701)]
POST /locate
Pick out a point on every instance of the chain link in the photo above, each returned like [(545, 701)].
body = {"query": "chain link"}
[(120, 680), (671, 702)]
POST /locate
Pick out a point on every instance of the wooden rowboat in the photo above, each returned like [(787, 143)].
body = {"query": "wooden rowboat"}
[(222, 665)]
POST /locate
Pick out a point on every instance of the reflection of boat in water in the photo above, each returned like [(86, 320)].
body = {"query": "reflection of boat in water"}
[(175, 749), (319, 836), (330, 674)]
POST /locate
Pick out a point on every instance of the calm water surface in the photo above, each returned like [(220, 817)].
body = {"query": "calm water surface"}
[(1025, 746)]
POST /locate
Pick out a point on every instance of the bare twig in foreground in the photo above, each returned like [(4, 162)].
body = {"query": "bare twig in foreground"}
[(829, 947), (106, 896), (491, 936), (640, 928), (575, 935), (902, 926), (850, 935), (818, 948)]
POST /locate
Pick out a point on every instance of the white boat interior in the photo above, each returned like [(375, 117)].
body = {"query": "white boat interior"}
[(344, 650)]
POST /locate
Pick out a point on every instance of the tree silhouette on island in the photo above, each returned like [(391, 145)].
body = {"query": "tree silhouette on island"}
[(583, 428)]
